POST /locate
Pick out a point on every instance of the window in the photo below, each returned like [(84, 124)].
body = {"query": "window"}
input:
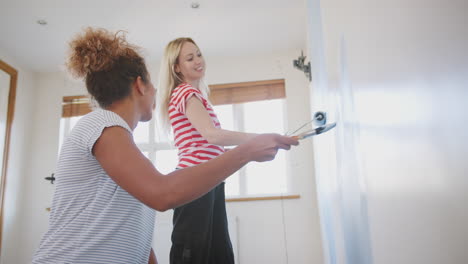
[(73, 108), (257, 117), (257, 107)]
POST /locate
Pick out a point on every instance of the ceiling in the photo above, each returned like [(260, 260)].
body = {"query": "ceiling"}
[(220, 27)]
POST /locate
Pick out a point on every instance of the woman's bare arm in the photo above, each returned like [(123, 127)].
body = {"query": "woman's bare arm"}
[(131, 170), (201, 120)]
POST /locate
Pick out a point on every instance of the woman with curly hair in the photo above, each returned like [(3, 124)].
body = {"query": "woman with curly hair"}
[(107, 191)]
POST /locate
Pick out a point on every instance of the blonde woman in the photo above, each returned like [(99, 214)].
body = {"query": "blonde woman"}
[(106, 190), (200, 234)]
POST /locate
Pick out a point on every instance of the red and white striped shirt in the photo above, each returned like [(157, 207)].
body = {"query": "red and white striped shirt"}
[(193, 148)]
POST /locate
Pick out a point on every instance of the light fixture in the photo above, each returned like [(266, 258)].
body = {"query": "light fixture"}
[(42, 22), (195, 5), (300, 65)]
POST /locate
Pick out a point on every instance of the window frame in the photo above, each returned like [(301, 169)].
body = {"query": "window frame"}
[(238, 111), (235, 94)]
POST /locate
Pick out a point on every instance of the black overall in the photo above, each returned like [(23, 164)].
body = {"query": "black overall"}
[(200, 234)]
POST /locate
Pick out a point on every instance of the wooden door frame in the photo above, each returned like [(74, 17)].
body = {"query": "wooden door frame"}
[(10, 113)]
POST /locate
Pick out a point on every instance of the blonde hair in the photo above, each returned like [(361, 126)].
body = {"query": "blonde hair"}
[(170, 79)]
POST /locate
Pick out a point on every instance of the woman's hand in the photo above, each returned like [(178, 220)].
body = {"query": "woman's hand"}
[(265, 146), (152, 258)]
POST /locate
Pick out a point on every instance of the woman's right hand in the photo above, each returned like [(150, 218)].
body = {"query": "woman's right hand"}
[(265, 146)]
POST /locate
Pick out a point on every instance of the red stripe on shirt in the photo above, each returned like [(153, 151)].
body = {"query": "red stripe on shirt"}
[(193, 148)]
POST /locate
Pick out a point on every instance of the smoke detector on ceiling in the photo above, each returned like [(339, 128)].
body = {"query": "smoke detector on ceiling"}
[(41, 22), (195, 5)]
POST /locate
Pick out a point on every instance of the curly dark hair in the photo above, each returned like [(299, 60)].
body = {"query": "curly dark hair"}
[(108, 63)]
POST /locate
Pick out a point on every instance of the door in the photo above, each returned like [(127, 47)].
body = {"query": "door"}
[(8, 78), (391, 177)]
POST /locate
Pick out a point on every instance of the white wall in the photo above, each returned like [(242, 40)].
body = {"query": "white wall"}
[(260, 237), (43, 149), (18, 165), (406, 81)]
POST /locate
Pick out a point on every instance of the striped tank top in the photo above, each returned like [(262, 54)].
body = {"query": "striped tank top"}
[(193, 148), (92, 219)]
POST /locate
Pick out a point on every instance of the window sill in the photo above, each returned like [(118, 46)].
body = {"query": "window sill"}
[(252, 198), (263, 198)]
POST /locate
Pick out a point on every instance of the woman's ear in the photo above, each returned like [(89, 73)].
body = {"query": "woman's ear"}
[(140, 85)]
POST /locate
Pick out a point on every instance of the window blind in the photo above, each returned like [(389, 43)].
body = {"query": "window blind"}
[(235, 93), (75, 106), (220, 94)]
